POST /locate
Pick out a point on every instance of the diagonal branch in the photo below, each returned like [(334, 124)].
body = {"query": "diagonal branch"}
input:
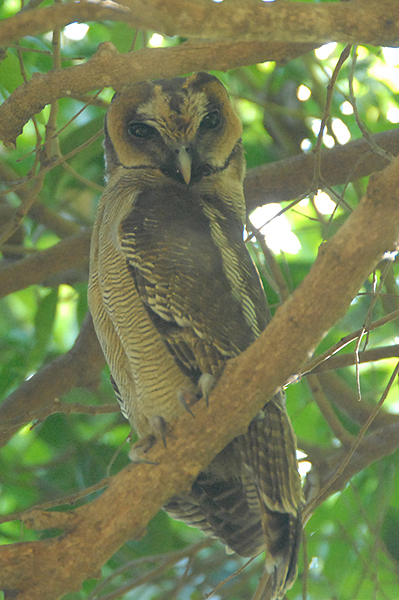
[(110, 68), (135, 494)]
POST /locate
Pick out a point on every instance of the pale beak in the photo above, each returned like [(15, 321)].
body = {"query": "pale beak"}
[(183, 162)]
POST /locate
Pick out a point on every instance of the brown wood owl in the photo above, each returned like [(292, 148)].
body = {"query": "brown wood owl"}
[(174, 294)]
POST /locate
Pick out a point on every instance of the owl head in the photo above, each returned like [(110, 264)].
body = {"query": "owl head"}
[(184, 129)]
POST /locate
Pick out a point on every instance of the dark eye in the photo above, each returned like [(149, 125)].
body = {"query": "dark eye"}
[(211, 120), (141, 131)]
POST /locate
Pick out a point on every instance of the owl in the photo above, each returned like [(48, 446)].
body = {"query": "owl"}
[(174, 294)]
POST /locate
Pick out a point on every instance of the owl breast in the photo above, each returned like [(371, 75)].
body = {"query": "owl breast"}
[(145, 375)]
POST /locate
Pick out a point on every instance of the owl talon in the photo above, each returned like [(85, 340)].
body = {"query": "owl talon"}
[(206, 384), (160, 428), (140, 448), (181, 396)]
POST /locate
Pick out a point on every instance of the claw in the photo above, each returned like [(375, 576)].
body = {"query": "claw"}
[(160, 428), (140, 448), (206, 384), (181, 396), (143, 445)]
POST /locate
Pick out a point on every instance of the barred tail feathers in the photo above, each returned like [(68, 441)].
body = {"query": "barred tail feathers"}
[(269, 457)]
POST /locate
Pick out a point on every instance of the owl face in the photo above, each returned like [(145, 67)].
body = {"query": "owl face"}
[(183, 128)]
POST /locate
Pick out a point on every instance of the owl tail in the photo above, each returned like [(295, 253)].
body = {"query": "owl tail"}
[(250, 498), (283, 535), (269, 458)]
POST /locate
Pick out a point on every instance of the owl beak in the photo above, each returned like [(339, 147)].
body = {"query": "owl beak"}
[(183, 163)]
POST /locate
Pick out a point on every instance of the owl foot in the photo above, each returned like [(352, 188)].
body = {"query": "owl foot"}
[(206, 384), (187, 398), (160, 428), (138, 451)]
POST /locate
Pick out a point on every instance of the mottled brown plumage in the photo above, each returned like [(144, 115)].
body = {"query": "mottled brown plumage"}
[(174, 295)]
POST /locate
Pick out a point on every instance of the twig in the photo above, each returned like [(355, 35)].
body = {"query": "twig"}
[(329, 415), (312, 364), (70, 499), (366, 134), (341, 468)]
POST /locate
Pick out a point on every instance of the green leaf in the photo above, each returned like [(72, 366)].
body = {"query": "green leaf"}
[(10, 73), (390, 531), (44, 323)]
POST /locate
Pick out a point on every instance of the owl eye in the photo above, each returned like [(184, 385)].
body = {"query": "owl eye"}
[(141, 131), (211, 120)]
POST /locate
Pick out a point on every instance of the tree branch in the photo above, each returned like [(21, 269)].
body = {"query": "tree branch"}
[(290, 178), (328, 413), (135, 494), (34, 269), (354, 22), (40, 20), (107, 67), (381, 442), (38, 212), (341, 361), (346, 400)]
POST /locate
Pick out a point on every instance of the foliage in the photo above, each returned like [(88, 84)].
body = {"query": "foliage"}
[(350, 548)]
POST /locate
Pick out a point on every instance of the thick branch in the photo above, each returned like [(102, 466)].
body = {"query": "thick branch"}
[(137, 492), (354, 22), (109, 68), (40, 20), (292, 177), (71, 252)]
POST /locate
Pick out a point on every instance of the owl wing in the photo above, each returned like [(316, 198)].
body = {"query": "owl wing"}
[(206, 308), (268, 452)]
